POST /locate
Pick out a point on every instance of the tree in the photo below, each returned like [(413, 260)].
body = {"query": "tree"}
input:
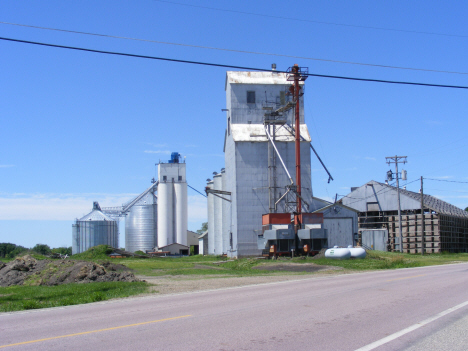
[(10, 250), (203, 228), (41, 249), (466, 209)]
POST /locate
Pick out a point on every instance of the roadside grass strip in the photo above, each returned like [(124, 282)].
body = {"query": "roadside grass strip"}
[(18, 298)]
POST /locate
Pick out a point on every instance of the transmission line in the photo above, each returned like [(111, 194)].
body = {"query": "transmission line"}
[(234, 50), (232, 66)]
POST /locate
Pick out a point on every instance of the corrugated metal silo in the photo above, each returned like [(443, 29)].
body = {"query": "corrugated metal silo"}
[(211, 225), (218, 215), (165, 213), (95, 229), (225, 215), (180, 206), (141, 225)]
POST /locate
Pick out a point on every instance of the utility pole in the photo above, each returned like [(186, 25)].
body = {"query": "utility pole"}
[(397, 160), (422, 219)]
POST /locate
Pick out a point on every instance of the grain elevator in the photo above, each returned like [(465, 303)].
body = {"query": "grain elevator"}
[(260, 161), (172, 202)]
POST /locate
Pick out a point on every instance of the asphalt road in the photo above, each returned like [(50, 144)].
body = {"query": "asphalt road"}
[(406, 309)]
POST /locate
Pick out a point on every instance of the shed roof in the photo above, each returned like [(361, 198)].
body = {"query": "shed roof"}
[(429, 201)]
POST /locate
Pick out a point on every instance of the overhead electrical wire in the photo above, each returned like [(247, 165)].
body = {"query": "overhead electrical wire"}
[(234, 50), (445, 180), (232, 66), (314, 21)]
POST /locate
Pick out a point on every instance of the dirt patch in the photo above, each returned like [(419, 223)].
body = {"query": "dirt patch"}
[(185, 283), (29, 271), (292, 267)]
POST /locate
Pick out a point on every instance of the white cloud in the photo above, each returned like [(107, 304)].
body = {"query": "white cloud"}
[(66, 207), (6, 166), (57, 207), (444, 177), (165, 152)]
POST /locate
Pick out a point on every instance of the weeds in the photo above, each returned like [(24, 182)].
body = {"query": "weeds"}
[(16, 298)]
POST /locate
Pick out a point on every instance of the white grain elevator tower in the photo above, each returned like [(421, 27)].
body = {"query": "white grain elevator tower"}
[(172, 202)]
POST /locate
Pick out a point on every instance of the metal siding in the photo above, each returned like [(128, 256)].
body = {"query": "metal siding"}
[(93, 233), (181, 213), (340, 231), (225, 214), (375, 239), (140, 228), (218, 216), (165, 214), (211, 224)]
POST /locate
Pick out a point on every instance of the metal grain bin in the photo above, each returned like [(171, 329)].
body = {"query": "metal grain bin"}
[(94, 229), (141, 225)]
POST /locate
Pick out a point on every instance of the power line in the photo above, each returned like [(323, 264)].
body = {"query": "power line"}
[(234, 50), (232, 66), (317, 22), (444, 180)]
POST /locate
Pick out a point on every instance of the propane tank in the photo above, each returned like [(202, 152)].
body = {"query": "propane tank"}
[(339, 253), (357, 252)]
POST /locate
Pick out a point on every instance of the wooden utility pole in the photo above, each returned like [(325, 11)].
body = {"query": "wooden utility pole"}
[(397, 160), (422, 218)]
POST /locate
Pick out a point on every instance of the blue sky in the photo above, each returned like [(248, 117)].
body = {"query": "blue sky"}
[(79, 127)]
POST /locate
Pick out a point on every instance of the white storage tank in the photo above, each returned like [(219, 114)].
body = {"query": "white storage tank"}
[(211, 225), (141, 225), (338, 253), (165, 214), (94, 229), (357, 252), (180, 199)]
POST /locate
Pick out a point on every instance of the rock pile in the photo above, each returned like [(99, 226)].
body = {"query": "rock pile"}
[(29, 271)]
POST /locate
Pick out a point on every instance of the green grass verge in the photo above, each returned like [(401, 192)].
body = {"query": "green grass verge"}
[(210, 265), (389, 260), (192, 265), (17, 298)]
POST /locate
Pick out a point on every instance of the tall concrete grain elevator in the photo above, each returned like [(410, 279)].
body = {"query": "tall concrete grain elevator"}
[(172, 202), (260, 161)]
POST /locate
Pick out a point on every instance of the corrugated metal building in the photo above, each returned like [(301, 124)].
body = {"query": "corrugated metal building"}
[(250, 172), (341, 223), (445, 225)]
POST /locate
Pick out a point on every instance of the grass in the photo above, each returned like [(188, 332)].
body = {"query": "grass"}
[(212, 265), (17, 298), (192, 265), (389, 260)]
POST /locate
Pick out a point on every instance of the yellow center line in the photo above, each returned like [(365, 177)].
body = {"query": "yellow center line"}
[(94, 331), (414, 276)]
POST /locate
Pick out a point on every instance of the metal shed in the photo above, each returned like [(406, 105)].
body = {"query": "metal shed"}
[(445, 225)]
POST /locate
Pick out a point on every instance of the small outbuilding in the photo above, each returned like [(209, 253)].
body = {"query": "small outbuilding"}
[(176, 249), (203, 243)]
